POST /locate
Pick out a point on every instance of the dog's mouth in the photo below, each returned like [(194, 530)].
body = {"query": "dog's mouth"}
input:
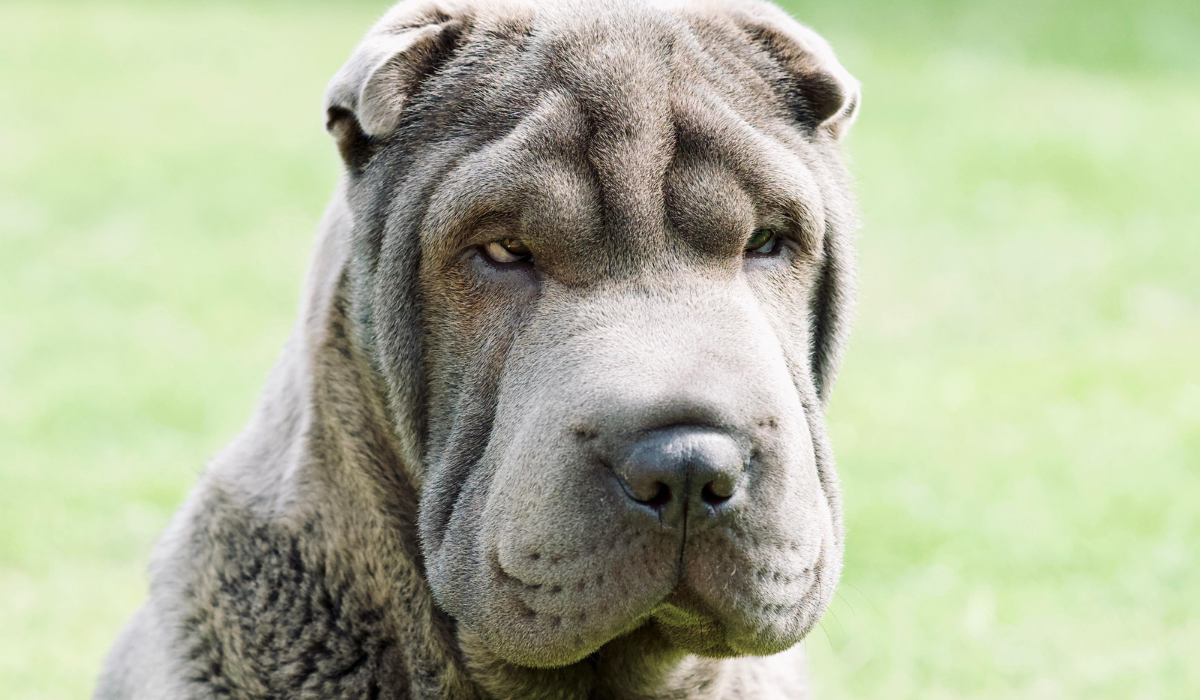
[(690, 623), (571, 621)]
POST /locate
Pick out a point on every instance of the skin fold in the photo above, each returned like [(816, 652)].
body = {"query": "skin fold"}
[(573, 243)]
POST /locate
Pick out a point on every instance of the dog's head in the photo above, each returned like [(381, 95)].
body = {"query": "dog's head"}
[(602, 259)]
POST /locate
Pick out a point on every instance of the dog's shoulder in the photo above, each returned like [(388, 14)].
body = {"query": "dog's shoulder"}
[(245, 605)]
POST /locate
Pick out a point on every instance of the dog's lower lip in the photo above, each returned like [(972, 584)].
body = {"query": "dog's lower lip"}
[(676, 616), (683, 604)]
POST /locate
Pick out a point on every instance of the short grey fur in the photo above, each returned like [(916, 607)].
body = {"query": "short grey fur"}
[(424, 504)]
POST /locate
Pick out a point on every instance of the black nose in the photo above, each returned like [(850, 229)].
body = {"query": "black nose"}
[(680, 470)]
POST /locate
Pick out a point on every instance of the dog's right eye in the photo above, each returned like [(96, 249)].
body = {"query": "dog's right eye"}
[(508, 250)]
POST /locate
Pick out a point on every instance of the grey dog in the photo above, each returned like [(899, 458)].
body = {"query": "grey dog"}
[(551, 421)]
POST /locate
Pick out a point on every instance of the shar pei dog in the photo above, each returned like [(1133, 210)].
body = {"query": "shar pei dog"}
[(551, 421)]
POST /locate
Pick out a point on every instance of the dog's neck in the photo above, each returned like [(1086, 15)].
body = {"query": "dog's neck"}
[(638, 665)]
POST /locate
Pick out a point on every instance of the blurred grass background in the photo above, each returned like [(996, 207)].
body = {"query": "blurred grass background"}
[(1018, 421)]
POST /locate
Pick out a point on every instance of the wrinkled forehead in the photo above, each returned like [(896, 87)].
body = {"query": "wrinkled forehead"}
[(634, 115)]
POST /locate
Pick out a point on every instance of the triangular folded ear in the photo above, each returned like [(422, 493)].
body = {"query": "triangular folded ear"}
[(823, 91), (364, 101)]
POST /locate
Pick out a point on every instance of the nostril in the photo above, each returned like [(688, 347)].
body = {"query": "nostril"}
[(661, 497), (715, 494)]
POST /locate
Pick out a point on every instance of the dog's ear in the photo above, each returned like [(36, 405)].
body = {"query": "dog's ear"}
[(832, 306), (819, 90), (365, 100)]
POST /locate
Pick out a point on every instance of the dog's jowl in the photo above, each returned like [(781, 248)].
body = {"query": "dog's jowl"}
[(551, 421)]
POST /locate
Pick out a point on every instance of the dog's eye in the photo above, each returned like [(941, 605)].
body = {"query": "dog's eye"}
[(763, 241), (508, 250)]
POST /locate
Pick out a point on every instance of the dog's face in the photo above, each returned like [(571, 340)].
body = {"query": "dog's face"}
[(601, 258)]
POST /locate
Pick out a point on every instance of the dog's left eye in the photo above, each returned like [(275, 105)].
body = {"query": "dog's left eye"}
[(508, 250), (763, 241)]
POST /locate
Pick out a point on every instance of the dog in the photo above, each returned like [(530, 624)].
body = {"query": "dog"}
[(551, 420)]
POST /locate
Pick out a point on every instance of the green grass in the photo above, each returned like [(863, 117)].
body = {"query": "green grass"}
[(1018, 421)]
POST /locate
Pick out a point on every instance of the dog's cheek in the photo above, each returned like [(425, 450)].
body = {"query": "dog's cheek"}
[(466, 352)]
